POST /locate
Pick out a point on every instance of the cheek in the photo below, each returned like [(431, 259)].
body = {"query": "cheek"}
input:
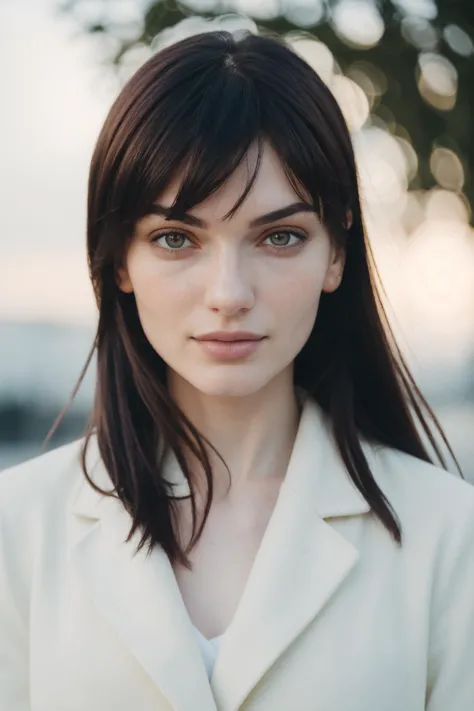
[(296, 300), (162, 300), (157, 290)]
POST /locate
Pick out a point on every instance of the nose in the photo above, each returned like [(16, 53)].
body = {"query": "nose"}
[(229, 289)]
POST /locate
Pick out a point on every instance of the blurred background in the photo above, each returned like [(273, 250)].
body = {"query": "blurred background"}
[(403, 73)]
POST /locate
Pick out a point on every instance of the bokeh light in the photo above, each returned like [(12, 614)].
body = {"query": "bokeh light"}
[(438, 80), (444, 204), (458, 40), (418, 8), (419, 32), (352, 100), (437, 284), (447, 168), (370, 79), (317, 54), (383, 168), (303, 13), (261, 10), (358, 22)]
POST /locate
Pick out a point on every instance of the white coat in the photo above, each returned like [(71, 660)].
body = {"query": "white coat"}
[(334, 617)]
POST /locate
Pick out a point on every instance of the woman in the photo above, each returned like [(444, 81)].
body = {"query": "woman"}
[(252, 520)]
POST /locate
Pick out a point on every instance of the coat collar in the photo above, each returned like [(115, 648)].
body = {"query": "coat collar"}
[(315, 471), (299, 566)]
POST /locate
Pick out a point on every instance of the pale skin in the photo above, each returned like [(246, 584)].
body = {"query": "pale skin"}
[(227, 275)]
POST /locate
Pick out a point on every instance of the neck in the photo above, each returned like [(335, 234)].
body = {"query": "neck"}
[(254, 434)]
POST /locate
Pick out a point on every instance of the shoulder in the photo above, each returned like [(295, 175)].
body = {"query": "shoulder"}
[(414, 480), (423, 495), (40, 482), (436, 511), (34, 504)]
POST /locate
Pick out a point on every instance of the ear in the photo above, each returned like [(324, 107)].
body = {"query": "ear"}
[(124, 282), (334, 271)]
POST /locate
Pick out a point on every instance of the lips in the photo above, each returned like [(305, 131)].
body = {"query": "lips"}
[(227, 347), (230, 337)]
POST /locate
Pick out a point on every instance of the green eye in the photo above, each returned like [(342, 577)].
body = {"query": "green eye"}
[(171, 241), (285, 238), (280, 239)]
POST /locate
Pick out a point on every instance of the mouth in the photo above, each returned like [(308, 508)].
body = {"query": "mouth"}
[(230, 337), (230, 349)]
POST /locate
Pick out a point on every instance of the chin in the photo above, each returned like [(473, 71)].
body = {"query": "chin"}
[(229, 384)]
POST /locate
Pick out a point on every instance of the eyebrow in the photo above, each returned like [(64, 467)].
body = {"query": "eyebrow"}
[(266, 219)]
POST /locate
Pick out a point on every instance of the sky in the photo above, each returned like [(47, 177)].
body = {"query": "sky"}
[(55, 96)]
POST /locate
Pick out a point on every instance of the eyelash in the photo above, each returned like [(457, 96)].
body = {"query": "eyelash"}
[(293, 233)]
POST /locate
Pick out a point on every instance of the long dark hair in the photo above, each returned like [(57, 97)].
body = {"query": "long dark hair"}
[(198, 106)]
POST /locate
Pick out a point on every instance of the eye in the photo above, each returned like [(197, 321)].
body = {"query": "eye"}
[(171, 241), (282, 239)]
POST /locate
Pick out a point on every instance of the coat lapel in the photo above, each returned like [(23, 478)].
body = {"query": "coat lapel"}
[(140, 598), (300, 565)]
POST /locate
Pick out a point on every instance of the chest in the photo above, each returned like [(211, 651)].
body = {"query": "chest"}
[(222, 560), (299, 634)]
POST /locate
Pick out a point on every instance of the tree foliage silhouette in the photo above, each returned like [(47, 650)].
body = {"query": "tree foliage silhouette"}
[(412, 29)]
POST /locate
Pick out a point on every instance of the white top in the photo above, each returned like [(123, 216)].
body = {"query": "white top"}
[(209, 649)]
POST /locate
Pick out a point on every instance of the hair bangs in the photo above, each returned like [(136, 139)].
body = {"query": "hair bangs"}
[(313, 168), (205, 173), (200, 121), (221, 118)]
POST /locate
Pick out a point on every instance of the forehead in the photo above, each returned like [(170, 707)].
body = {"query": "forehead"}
[(271, 189)]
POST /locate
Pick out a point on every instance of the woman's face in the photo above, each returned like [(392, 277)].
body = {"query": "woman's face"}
[(254, 272)]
